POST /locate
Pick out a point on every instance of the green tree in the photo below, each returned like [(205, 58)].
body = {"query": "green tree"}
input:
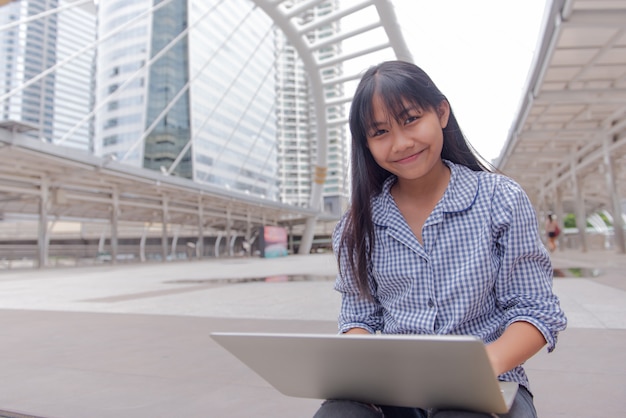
[(569, 221), (605, 219)]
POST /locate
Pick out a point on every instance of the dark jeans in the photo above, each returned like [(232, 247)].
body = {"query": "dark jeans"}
[(522, 407)]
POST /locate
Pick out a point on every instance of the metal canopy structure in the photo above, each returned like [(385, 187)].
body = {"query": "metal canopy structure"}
[(567, 147), (81, 186), (56, 183)]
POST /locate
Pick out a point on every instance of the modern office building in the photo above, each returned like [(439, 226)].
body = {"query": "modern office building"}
[(206, 90), (187, 88), (297, 138), (46, 83)]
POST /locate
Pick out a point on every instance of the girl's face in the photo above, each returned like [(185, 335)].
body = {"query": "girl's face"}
[(409, 147)]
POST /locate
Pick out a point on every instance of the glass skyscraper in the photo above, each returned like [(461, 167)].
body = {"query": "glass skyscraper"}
[(205, 90), (187, 87), (55, 104)]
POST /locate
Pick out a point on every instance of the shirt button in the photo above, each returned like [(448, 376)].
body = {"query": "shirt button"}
[(431, 304)]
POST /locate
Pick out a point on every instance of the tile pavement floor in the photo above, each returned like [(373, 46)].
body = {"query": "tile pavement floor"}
[(133, 340)]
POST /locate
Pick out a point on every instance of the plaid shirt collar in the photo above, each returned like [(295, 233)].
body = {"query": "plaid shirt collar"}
[(459, 195)]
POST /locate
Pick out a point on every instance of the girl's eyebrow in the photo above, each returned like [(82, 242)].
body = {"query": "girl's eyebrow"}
[(408, 109), (404, 112)]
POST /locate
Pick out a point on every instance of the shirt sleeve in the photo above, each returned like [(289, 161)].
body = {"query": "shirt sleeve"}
[(356, 311), (524, 284)]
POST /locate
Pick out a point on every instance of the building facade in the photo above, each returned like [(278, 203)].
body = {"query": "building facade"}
[(206, 90), (187, 87), (297, 138), (55, 105)]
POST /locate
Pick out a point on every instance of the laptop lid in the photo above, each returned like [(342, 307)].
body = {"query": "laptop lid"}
[(425, 371)]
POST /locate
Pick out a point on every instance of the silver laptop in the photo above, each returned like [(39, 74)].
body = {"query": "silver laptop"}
[(425, 371)]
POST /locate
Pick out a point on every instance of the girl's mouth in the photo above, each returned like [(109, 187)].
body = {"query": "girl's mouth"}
[(409, 159)]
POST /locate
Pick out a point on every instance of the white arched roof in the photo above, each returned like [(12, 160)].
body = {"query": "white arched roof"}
[(387, 36), (567, 145)]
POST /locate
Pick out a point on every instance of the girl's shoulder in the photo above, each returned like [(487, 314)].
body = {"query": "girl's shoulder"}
[(492, 186), (491, 180)]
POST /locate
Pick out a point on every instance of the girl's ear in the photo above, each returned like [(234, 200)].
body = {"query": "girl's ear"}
[(443, 111)]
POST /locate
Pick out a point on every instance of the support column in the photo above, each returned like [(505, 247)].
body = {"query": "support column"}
[(581, 214), (616, 205), (218, 240), (200, 242), (43, 237), (231, 244), (558, 207), (229, 224), (248, 237), (142, 243), (558, 210), (101, 241), (165, 220), (174, 243), (115, 208), (306, 242)]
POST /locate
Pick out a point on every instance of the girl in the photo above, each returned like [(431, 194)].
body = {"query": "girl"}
[(435, 243)]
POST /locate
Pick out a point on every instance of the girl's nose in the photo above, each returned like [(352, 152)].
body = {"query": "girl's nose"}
[(401, 141)]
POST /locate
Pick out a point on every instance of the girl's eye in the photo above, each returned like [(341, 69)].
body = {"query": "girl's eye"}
[(378, 132), (411, 119)]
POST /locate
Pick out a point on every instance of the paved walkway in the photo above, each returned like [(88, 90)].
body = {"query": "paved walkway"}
[(133, 340)]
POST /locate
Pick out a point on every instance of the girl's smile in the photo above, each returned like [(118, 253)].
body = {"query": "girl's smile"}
[(409, 159)]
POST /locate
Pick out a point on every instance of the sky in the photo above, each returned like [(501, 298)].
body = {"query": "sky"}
[(479, 53)]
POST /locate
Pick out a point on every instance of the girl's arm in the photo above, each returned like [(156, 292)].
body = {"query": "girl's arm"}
[(519, 342), (532, 313)]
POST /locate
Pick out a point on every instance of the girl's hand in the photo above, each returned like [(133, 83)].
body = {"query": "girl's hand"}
[(519, 342)]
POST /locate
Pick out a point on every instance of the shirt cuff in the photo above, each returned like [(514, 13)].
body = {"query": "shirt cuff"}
[(348, 326)]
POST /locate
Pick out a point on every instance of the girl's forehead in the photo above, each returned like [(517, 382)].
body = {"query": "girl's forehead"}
[(385, 108)]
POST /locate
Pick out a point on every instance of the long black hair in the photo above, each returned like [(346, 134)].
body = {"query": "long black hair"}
[(395, 83)]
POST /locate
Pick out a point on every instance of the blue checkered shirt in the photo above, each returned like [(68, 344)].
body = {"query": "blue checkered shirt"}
[(480, 268)]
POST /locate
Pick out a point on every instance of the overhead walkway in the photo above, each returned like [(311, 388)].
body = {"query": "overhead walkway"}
[(567, 146), (63, 184)]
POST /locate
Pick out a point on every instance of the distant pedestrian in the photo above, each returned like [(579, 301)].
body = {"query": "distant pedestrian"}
[(552, 232)]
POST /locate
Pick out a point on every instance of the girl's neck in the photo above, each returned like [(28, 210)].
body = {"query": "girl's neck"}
[(416, 199), (431, 186)]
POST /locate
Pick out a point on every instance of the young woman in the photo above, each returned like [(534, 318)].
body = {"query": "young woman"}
[(552, 231), (435, 243)]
